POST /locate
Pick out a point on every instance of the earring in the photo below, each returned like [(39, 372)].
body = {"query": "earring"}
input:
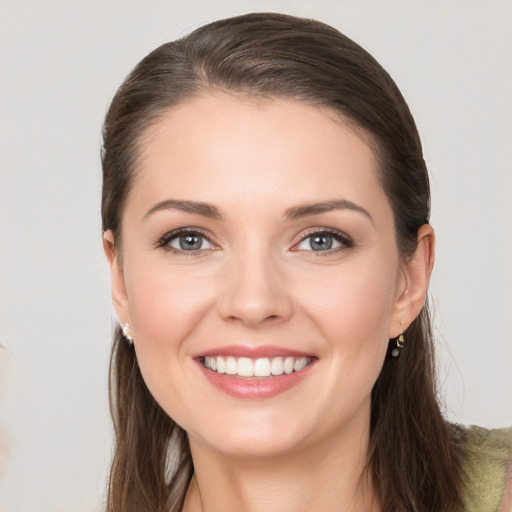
[(399, 343), (127, 337)]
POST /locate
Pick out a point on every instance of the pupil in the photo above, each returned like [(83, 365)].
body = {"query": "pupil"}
[(321, 242), (190, 242)]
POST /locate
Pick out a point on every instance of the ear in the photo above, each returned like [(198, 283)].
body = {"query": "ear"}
[(413, 285), (117, 284)]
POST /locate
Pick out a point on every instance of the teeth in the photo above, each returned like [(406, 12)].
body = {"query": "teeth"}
[(276, 366), (221, 364), (262, 367), (245, 367), (299, 364), (231, 366), (288, 365)]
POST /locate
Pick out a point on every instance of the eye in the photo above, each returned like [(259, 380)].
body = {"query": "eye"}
[(185, 241), (323, 241)]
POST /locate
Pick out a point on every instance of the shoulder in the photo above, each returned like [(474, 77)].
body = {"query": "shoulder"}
[(487, 468)]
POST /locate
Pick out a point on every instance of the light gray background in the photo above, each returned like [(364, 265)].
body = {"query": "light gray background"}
[(60, 63)]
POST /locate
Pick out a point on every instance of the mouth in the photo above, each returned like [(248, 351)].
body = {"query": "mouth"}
[(263, 367), (255, 372)]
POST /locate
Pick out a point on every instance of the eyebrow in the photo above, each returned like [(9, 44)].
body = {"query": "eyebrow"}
[(193, 207), (325, 206), (296, 212)]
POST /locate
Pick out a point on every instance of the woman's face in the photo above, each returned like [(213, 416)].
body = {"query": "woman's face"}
[(257, 239)]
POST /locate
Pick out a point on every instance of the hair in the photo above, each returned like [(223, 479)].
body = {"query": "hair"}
[(414, 455)]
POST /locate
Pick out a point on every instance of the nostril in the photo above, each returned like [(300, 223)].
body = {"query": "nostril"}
[(254, 319), (254, 303)]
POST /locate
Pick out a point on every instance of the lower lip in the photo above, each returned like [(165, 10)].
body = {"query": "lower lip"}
[(256, 388)]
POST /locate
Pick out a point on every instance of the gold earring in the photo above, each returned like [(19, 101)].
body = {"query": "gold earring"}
[(399, 344)]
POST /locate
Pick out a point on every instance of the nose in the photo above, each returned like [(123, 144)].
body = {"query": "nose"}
[(254, 292)]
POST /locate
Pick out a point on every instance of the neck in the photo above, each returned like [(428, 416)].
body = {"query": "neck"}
[(328, 476)]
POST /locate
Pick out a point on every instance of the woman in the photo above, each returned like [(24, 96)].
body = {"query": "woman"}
[(265, 215)]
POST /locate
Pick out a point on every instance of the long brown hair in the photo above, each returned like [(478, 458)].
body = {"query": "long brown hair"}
[(414, 454)]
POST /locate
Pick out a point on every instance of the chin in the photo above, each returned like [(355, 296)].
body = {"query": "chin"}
[(253, 447), (261, 438)]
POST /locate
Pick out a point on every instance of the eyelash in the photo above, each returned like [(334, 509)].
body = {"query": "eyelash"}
[(163, 242), (342, 238)]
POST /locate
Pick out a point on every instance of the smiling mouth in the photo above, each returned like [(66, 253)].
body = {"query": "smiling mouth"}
[(246, 367)]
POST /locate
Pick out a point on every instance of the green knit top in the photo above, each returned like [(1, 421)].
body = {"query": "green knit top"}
[(488, 470)]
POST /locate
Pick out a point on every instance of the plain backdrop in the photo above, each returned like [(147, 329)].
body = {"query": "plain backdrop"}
[(60, 64)]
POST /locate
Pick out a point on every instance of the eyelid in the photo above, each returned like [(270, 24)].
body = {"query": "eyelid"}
[(345, 240), (163, 241)]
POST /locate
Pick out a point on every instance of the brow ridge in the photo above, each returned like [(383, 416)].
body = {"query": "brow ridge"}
[(192, 207), (305, 210), (293, 213)]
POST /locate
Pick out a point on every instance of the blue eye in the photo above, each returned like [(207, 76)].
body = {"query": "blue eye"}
[(185, 241), (323, 241), (191, 242)]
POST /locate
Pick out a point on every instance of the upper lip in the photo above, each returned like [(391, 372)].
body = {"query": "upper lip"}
[(252, 352)]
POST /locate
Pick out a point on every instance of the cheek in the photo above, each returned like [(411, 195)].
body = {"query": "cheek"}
[(353, 305), (166, 306), (165, 303), (353, 318), (352, 310)]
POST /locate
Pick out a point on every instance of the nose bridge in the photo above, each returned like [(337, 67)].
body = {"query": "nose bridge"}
[(254, 288)]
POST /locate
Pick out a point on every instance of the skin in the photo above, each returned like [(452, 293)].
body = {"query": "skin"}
[(258, 282)]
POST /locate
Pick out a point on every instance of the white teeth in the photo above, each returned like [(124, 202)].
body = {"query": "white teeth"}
[(221, 365), (231, 366), (262, 367), (276, 366), (245, 367), (288, 365), (299, 364)]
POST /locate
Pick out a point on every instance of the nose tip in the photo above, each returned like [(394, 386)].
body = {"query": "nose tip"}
[(255, 295)]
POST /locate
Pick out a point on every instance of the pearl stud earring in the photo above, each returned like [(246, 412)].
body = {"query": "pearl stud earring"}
[(126, 330)]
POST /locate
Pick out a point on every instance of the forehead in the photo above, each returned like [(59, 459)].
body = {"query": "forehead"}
[(218, 145)]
